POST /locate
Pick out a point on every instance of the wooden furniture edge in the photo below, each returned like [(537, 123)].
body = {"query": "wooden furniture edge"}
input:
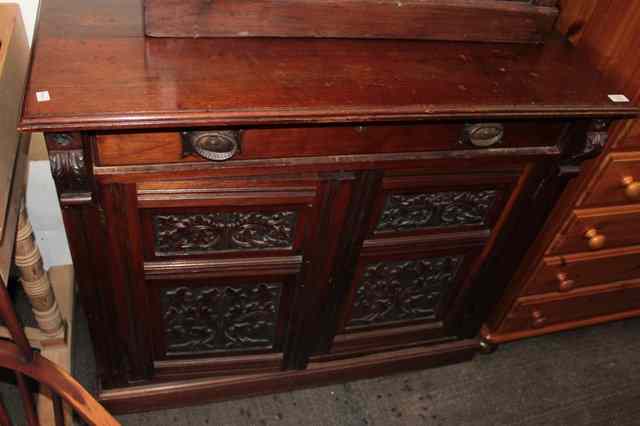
[(497, 338), (311, 116), (199, 391), (17, 193), (156, 24), (13, 72)]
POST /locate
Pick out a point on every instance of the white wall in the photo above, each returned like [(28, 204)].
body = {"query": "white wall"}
[(42, 202)]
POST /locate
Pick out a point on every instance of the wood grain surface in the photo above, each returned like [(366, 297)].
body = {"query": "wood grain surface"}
[(101, 72), (476, 20), (607, 31), (14, 58)]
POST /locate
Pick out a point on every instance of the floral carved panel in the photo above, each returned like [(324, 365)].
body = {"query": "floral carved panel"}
[(221, 318), (403, 290), (198, 233), (405, 212)]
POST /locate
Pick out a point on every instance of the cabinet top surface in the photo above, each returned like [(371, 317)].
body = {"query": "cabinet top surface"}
[(100, 72)]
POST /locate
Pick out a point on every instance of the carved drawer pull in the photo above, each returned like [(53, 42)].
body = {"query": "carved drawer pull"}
[(564, 283), (218, 145), (483, 135), (632, 188), (596, 240), (539, 319)]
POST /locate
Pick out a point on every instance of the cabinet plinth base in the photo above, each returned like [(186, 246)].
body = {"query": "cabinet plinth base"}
[(199, 391)]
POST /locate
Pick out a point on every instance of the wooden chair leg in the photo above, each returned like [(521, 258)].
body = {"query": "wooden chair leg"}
[(35, 280), (5, 420), (27, 400), (58, 410)]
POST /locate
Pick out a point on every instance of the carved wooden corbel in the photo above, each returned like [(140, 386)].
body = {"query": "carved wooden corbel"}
[(68, 167)]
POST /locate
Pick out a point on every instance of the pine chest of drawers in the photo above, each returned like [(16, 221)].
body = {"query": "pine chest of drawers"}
[(584, 267), (249, 216)]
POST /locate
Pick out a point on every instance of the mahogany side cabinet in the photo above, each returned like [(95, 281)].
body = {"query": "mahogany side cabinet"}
[(254, 215)]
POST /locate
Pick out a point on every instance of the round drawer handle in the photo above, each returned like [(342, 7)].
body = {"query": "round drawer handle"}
[(216, 145), (483, 135), (564, 283), (631, 188), (538, 318), (596, 240)]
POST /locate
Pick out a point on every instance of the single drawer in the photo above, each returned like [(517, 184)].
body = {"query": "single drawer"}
[(568, 273), (131, 148), (617, 182), (598, 229), (538, 312)]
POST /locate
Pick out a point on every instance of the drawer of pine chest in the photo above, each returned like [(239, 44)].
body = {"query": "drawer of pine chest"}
[(598, 229), (131, 148), (537, 312), (616, 183), (571, 272)]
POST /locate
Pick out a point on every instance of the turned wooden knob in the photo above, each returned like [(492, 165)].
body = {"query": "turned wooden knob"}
[(596, 240), (564, 283), (631, 188), (538, 318)]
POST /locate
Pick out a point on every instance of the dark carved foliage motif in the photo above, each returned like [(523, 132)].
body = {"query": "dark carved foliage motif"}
[(177, 234), (403, 212), (68, 170), (224, 318), (403, 291)]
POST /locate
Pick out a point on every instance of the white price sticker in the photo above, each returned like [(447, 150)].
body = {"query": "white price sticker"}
[(618, 98), (43, 96)]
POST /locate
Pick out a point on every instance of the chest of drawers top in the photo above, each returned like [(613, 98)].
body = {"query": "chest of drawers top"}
[(102, 73)]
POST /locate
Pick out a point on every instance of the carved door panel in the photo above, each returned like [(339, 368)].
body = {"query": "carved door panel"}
[(220, 324), (213, 219), (443, 205), (403, 297)]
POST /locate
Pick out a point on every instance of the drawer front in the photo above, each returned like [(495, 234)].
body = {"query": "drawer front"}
[(169, 147), (568, 273), (617, 183), (599, 229), (535, 313)]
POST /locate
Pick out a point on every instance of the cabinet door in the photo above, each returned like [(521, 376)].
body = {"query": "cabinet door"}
[(422, 244), (223, 273)]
